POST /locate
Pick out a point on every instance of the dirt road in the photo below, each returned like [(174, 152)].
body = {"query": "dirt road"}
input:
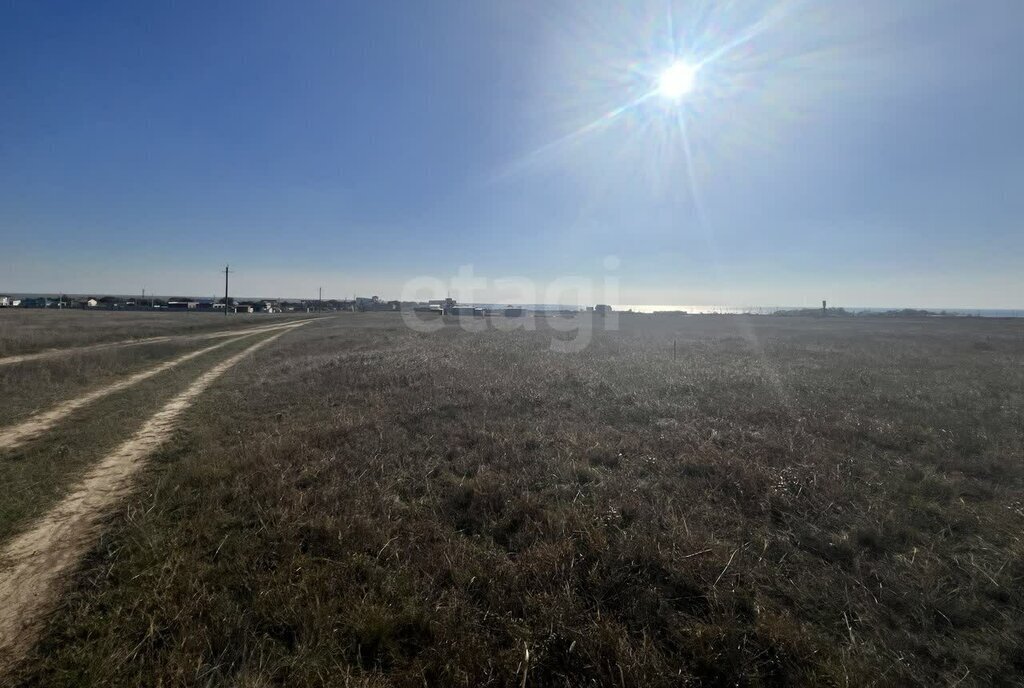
[(33, 564), (50, 353), (40, 423)]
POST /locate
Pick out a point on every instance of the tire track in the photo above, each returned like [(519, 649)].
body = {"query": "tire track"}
[(36, 425), (50, 353), (34, 562)]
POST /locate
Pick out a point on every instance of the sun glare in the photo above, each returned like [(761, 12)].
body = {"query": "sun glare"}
[(677, 81)]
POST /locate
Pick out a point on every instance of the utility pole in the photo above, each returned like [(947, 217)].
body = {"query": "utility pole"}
[(320, 301), (142, 303), (227, 271)]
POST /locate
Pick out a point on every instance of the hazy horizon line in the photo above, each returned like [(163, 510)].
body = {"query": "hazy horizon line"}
[(639, 308)]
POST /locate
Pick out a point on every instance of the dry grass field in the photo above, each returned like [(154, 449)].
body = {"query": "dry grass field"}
[(37, 473), (33, 386), (31, 330), (788, 501)]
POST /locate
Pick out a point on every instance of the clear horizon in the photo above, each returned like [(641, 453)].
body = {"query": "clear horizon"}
[(642, 308), (860, 152)]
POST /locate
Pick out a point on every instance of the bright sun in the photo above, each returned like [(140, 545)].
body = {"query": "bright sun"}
[(676, 81)]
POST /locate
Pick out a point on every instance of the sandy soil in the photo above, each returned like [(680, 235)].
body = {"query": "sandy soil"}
[(32, 565)]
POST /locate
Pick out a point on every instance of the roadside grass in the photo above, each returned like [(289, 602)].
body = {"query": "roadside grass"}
[(28, 330), (791, 502), (38, 473), (34, 386)]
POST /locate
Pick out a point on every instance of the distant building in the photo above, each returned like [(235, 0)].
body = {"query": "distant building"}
[(374, 303), (602, 309), (182, 305), (88, 303), (466, 311), (38, 302), (445, 305), (5, 301), (243, 308)]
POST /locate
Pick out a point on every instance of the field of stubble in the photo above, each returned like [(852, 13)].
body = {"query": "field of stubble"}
[(29, 330), (790, 501)]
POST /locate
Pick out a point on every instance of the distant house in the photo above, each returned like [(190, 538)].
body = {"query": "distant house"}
[(380, 305), (243, 308), (88, 303), (372, 303), (445, 305), (466, 311), (182, 305), (5, 301)]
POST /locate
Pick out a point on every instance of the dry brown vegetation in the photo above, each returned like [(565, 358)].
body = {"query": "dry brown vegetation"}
[(36, 474), (792, 501), (26, 330), (34, 386)]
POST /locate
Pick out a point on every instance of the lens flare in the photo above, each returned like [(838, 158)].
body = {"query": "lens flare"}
[(677, 81), (682, 95)]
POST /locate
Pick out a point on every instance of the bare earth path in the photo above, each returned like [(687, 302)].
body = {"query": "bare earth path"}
[(33, 563), (49, 353), (40, 423)]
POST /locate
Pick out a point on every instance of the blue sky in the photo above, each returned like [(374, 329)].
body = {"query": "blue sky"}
[(869, 152)]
